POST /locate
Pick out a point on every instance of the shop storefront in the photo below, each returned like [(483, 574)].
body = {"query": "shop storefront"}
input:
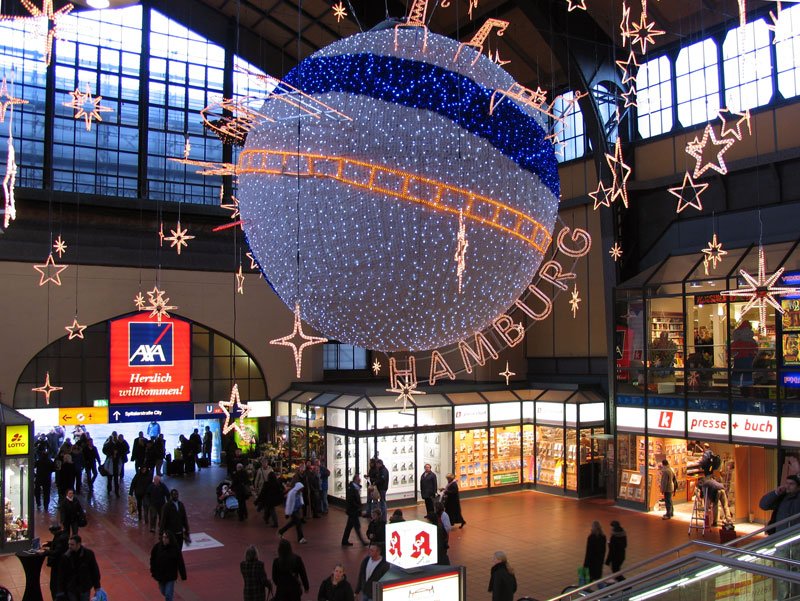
[(490, 438), (697, 369), (16, 481)]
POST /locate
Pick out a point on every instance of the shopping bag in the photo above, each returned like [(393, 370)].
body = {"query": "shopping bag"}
[(583, 575), (100, 595)]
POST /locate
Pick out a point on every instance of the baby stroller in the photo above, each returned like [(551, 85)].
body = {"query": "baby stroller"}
[(226, 500)]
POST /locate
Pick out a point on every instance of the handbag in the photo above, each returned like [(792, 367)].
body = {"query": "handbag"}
[(107, 468), (583, 576), (83, 521)]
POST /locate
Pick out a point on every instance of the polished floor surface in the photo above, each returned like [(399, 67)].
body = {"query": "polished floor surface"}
[(543, 535)]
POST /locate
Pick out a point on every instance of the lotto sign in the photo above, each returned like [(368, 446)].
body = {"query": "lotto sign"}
[(150, 361), (17, 442), (411, 544)]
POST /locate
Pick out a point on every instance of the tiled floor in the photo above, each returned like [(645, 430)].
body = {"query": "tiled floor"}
[(543, 535)]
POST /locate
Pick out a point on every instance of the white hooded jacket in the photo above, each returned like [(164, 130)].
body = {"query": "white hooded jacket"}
[(294, 500)]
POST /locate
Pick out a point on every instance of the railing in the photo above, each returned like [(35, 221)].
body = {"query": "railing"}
[(661, 579)]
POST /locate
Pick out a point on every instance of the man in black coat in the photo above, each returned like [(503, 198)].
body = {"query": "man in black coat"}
[(55, 550), (138, 452), (78, 572), (114, 450), (208, 441), (427, 489), (174, 520), (353, 512), (382, 484), (371, 571), (197, 446), (43, 479), (157, 496)]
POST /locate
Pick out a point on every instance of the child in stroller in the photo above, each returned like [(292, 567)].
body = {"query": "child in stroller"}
[(226, 499)]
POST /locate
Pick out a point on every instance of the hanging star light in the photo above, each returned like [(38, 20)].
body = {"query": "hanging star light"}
[(87, 106), (625, 24), (406, 388), (237, 423), (7, 100), (620, 172), (688, 194), (138, 300), (53, 21), (507, 373), (642, 33), (497, 60), (9, 183), (713, 254), (187, 147), (698, 148), (240, 281), (461, 248), (761, 290), (253, 263), (339, 12), (161, 234), (290, 340), (736, 128), (47, 389), (576, 4), (574, 301), (46, 267), (601, 196), (630, 98), (158, 306), (232, 206), (178, 238), (376, 367), (615, 252), (60, 246), (629, 68), (75, 330)]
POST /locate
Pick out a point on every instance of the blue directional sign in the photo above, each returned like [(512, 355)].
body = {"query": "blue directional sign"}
[(150, 413)]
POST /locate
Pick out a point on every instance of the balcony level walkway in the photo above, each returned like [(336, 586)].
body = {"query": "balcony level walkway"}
[(543, 535)]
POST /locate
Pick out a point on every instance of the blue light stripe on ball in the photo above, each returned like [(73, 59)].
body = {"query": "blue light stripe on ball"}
[(420, 85)]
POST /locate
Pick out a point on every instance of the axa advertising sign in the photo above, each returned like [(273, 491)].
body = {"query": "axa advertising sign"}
[(150, 361)]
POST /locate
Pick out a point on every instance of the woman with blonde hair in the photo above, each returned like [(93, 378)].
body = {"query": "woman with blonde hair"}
[(336, 587), (595, 552), (502, 582)]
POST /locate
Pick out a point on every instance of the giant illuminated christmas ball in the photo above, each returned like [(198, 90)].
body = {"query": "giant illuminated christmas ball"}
[(357, 218)]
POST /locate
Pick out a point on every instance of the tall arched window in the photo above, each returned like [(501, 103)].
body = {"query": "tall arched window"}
[(787, 51), (747, 66), (697, 83), (654, 97)]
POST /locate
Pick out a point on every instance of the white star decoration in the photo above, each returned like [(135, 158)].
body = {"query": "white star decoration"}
[(376, 367), (46, 277), (405, 391), (620, 172), (616, 251), (601, 196), (87, 106), (736, 128), (240, 281), (339, 12), (688, 194), (47, 389), (60, 246), (290, 340), (507, 373), (574, 301), (53, 18), (158, 306), (238, 423), (138, 300), (7, 100), (697, 149), (761, 290), (713, 254), (642, 33), (178, 238), (10, 182), (75, 330)]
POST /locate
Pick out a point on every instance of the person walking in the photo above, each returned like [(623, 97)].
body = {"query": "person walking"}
[(124, 450), (288, 574), (240, 485), (166, 563), (138, 452), (427, 489), (71, 512), (294, 507), (314, 490), (353, 512), (174, 520), (54, 551), (113, 449), (617, 543), (256, 583), (372, 569), (382, 485), (502, 582), (452, 501), (336, 587), (43, 478), (667, 486), (157, 496), (78, 572), (91, 459), (77, 463), (270, 497), (376, 529), (595, 552), (208, 441), (371, 476), (784, 502), (65, 476), (138, 490), (324, 478)]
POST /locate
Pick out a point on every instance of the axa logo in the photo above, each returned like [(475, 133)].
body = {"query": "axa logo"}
[(150, 344)]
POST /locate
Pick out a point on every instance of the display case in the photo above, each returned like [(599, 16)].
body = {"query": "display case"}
[(16, 480)]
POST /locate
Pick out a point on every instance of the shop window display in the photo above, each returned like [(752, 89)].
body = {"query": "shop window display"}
[(505, 457), (528, 457), (399, 457), (472, 465), (550, 468), (15, 495), (631, 461), (435, 448)]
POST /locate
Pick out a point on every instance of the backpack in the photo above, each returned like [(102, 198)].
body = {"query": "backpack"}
[(716, 462)]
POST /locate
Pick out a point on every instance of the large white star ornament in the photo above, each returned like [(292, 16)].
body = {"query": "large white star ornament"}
[(7, 100), (290, 340), (405, 390), (688, 194), (44, 271), (761, 290), (698, 148), (47, 389), (158, 306), (87, 106), (178, 238), (237, 423)]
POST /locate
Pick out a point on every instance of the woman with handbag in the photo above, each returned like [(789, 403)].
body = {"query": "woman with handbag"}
[(72, 514), (289, 574), (256, 583)]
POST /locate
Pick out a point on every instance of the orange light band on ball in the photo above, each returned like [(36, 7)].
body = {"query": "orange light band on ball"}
[(374, 178)]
